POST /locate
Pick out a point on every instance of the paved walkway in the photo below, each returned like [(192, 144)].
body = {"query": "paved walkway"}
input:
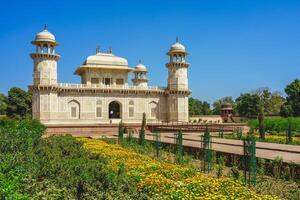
[(289, 153)]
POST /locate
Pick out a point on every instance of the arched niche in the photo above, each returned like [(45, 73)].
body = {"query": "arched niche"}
[(74, 109)]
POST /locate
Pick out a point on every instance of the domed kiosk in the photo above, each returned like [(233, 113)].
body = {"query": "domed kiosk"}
[(140, 75)]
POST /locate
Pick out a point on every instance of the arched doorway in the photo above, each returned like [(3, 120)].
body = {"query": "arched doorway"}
[(114, 109)]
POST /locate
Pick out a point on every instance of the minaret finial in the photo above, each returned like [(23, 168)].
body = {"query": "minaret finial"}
[(45, 27), (177, 40), (98, 49)]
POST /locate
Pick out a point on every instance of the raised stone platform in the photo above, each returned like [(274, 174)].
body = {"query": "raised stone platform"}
[(191, 137)]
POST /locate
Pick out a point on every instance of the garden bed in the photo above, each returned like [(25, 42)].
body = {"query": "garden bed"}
[(161, 180)]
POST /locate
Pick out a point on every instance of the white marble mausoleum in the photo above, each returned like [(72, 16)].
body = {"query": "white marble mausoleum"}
[(105, 95)]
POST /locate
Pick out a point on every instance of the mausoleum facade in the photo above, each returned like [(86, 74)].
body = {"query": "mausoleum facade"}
[(105, 95)]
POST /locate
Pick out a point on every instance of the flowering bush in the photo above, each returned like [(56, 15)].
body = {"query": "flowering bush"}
[(160, 180)]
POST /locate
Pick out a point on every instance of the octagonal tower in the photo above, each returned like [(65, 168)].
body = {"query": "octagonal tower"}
[(178, 90), (44, 59)]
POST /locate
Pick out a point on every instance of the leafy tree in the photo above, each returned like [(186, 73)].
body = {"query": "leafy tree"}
[(293, 97), (142, 131), (272, 101), (248, 105), (218, 103), (258, 104), (286, 110), (274, 104), (19, 103), (261, 117), (3, 104), (197, 107), (205, 108)]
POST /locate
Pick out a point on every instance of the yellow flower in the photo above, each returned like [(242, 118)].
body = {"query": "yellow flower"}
[(162, 180)]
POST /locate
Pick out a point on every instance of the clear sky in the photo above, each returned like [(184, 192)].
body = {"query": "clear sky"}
[(235, 45)]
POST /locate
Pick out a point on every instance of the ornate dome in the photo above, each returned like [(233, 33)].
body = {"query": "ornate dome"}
[(44, 36), (177, 47), (106, 59), (141, 67)]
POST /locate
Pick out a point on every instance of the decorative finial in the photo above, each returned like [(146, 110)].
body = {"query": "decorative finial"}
[(45, 27), (177, 40), (110, 50), (98, 49)]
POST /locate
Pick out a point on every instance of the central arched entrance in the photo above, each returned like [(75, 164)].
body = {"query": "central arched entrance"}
[(114, 109)]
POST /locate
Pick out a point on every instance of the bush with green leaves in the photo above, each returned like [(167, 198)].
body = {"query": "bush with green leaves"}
[(220, 166), (235, 173), (278, 124), (56, 167)]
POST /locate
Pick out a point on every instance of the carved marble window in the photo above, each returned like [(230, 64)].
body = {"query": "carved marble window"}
[(73, 112), (107, 81), (95, 80), (120, 81), (153, 110), (99, 112), (131, 108), (74, 109), (99, 108)]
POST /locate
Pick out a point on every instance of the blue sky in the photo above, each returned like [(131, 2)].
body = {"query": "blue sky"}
[(235, 45)]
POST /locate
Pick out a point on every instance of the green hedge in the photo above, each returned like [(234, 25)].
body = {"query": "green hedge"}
[(56, 167), (278, 124)]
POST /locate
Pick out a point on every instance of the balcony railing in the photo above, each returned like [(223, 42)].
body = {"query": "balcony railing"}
[(96, 86)]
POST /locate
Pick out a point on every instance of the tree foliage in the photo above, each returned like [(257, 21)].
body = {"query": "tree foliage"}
[(286, 110), (261, 117), (247, 105), (142, 140), (272, 101), (274, 104), (197, 107), (292, 106), (3, 104), (19, 103)]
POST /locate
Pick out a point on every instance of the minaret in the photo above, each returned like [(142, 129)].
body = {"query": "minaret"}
[(177, 67), (140, 75), (178, 91), (44, 59)]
